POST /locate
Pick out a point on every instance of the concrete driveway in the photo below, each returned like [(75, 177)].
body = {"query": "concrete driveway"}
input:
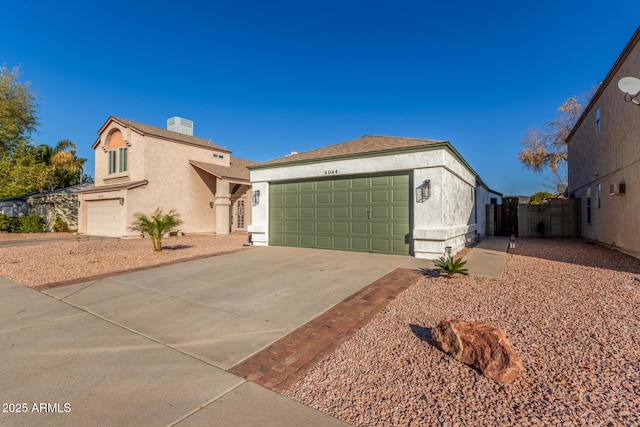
[(152, 347)]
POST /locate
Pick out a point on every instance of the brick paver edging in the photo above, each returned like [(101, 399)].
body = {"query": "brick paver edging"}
[(287, 361)]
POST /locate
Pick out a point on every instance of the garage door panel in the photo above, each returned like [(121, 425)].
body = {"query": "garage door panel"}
[(381, 196), (360, 212), (399, 213), (307, 199), (323, 242), (381, 245), (341, 243), (323, 213), (307, 226), (359, 196), (360, 228), (400, 196), (323, 227), (307, 240), (360, 244), (277, 226), (341, 213), (341, 227), (307, 186), (381, 229), (341, 197), (292, 240), (378, 213), (369, 214), (323, 198), (400, 229), (291, 226)]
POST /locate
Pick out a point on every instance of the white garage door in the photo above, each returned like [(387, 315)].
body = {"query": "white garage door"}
[(104, 218)]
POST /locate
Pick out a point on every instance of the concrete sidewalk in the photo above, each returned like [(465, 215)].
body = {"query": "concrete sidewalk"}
[(487, 258)]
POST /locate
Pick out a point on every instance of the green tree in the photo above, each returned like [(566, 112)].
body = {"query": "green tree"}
[(18, 115), (548, 149), (539, 197), (66, 168), (21, 172), (157, 226)]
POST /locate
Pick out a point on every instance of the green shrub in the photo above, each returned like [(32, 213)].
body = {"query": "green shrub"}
[(5, 222), (450, 266), (30, 224), (60, 226)]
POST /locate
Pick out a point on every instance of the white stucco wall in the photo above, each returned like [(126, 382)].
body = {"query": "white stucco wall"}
[(447, 218)]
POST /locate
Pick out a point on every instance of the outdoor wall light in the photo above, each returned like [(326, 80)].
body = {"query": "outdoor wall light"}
[(255, 198), (211, 205), (121, 201), (423, 191)]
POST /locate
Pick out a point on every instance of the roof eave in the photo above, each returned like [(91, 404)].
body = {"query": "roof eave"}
[(388, 151), (607, 80)]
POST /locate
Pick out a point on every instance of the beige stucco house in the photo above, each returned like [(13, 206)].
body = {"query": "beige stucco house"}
[(604, 159), (139, 168)]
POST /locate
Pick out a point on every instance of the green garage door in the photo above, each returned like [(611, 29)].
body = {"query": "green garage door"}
[(366, 214)]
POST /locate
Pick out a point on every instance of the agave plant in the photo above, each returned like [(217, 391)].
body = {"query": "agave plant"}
[(157, 226), (450, 266)]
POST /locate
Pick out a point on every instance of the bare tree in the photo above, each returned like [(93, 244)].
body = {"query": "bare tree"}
[(548, 148)]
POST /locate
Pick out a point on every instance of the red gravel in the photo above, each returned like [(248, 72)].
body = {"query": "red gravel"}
[(570, 309), (47, 263)]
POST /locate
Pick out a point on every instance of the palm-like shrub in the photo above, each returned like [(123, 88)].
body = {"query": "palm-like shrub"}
[(156, 226), (450, 266)]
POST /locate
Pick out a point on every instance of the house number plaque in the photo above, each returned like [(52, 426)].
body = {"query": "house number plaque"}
[(331, 172)]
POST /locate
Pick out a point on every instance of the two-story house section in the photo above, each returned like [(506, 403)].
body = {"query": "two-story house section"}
[(139, 168), (604, 158)]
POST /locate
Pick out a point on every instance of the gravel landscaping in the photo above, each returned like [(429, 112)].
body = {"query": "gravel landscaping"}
[(570, 309), (53, 262)]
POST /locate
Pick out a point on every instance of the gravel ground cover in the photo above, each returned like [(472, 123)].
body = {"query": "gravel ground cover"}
[(53, 262), (570, 309)]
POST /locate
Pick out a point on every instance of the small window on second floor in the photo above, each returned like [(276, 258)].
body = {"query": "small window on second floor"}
[(112, 161), (123, 164), (598, 119)]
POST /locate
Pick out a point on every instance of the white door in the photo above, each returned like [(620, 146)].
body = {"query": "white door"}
[(104, 218)]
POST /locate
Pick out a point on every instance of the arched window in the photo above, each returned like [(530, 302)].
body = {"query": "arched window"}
[(117, 150)]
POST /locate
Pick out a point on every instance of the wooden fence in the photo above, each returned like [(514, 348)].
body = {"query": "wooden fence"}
[(556, 218)]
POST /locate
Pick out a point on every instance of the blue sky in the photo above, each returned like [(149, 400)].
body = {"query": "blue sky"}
[(265, 78)]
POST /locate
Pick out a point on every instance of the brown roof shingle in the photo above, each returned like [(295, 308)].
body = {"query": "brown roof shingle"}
[(365, 144), (167, 134), (237, 170)]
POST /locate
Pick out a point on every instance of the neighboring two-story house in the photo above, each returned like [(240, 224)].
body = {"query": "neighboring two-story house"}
[(139, 168), (604, 158), (381, 194)]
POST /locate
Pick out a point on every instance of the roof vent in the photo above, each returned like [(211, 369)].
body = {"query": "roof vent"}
[(180, 125), (293, 153)]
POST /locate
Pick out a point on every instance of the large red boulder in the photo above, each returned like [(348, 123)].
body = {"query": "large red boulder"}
[(480, 345)]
